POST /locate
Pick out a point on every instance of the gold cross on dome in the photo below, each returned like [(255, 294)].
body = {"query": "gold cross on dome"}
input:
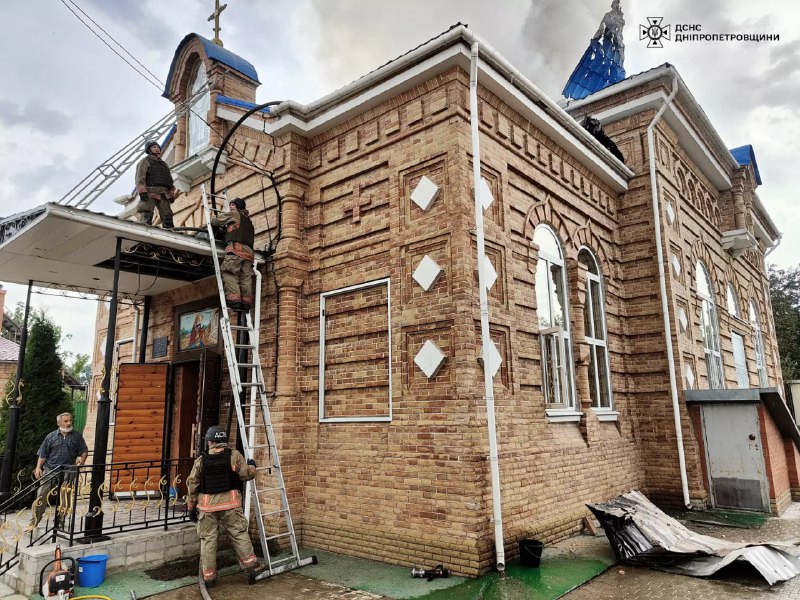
[(215, 17)]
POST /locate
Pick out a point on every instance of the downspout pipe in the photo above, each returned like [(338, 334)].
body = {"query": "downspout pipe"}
[(486, 340), (662, 283)]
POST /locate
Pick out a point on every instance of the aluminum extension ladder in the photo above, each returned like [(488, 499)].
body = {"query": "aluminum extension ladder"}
[(248, 414), (88, 189)]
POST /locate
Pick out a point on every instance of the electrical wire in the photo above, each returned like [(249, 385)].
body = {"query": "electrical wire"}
[(154, 76), (99, 37)]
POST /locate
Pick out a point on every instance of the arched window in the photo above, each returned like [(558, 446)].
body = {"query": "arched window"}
[(761, 365), (594, 319), (733, 302), (198, 129), (709, 327), (554, 325)]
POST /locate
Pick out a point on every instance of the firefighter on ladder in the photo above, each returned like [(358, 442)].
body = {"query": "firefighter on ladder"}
[(155, 186), (214, 493), (237, 267)]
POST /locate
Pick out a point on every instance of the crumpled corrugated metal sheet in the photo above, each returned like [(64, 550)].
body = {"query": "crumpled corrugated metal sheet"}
[(641, 534)]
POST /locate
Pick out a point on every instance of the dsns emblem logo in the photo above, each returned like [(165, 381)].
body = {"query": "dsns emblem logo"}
[(654, 32)]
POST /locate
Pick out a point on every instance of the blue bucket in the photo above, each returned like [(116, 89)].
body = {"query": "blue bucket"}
[(92, 570)]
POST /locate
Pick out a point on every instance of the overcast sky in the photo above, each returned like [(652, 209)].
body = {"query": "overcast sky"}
[(67, 102)]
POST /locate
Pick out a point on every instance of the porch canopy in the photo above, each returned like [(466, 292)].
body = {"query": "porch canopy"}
[(73, 249)]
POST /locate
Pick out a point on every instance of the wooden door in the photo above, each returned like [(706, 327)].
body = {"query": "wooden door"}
[(139, 422), (208, 406)]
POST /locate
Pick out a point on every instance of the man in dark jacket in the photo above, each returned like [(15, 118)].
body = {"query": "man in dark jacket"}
[(155, 186), (215, 500), (237, 268)]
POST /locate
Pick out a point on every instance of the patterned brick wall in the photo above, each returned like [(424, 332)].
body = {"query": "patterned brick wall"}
[(416, 490)]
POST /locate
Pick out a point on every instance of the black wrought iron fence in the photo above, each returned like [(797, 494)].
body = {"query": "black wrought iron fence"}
[(134, 495)]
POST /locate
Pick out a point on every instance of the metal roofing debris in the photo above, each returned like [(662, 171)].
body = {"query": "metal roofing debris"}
[(745, 155), (216, 53), (641, 534), (602, 63)]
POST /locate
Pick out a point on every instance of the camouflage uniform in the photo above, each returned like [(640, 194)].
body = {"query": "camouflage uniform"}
[(154, 178), (222, 508), (237, 267)]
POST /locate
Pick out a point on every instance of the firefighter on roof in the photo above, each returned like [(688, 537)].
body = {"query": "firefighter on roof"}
[(214, 492), (155, 186)]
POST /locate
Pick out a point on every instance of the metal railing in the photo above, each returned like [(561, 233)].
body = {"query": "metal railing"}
[(134, 496)]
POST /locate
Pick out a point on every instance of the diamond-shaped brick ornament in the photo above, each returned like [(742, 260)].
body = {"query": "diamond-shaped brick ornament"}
[(425, 193), (427, 272), (689, 378), (429, 359), (486, 194), (683, 320), (676, 265), (670, 213), (495, 359), (489, 274)]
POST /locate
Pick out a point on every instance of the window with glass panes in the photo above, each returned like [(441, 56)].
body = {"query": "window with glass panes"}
[(199, 131), (554, 325), (709, 326), (596, 335), (761, 365)]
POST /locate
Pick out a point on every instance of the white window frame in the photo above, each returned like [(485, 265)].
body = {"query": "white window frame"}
[(603, 412), (740, 362), (321, 396), (732, 299), (715, 369), (195, 124), (758, 342), (566, 409)]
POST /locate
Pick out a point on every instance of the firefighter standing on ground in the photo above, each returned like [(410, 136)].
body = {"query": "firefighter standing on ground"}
[(213, 490), (237, 268), (155, 186)]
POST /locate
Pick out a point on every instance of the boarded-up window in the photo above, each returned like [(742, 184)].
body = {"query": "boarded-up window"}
[(355, 353)]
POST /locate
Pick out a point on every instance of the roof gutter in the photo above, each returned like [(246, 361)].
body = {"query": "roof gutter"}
[(492, 57), (673, 385)]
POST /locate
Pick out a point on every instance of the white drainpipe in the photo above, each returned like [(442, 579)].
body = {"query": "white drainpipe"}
[(486, 340), (662, 282)]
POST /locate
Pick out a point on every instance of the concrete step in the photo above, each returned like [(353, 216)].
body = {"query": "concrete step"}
[(9, 594)]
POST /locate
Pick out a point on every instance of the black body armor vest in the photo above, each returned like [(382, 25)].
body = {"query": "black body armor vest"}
[(158, 175), (218, 476), (244, 234)]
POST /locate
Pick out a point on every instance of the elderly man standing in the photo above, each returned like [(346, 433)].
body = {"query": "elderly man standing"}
[(61, 448)]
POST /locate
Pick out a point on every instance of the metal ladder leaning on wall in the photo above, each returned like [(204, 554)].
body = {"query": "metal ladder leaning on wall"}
[(248, 415)]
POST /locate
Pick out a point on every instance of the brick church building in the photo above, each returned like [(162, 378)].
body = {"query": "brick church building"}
[(370, 325)]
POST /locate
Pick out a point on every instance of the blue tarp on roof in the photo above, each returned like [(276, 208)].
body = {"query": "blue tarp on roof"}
[(215, 53), (745, 155), (602, 63)]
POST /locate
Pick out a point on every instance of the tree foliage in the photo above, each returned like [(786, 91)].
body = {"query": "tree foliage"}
[(43, 395), (784, 285)]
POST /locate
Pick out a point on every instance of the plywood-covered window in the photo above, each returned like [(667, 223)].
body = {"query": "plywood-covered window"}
[(199, 131), (355, 353)]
